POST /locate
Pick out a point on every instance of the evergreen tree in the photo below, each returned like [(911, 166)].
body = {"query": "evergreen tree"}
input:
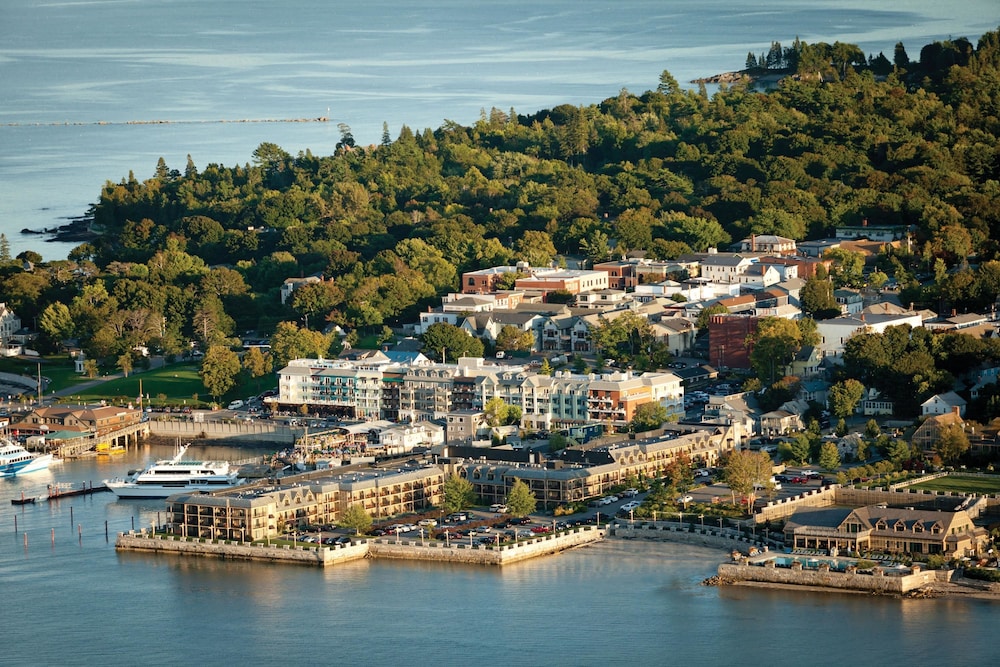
[(899, 57), (751, 61), (4, 249)]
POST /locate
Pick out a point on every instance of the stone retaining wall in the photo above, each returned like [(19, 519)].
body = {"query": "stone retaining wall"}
[(486, 555), (878, 582), (382, 548), (252, 431), (322, 556), (673, 532)]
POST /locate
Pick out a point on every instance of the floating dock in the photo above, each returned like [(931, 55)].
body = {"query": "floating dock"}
[(67, 490)]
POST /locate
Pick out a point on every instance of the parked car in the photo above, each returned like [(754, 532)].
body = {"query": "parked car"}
[(427, 523), (630, 506), (684, 500), (499, 508), (540, 530)]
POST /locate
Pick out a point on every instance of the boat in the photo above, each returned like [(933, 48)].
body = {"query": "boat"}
[(170, 476), (16, 460)]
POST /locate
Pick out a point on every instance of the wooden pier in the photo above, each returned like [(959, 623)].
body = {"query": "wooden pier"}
[(67, 490)]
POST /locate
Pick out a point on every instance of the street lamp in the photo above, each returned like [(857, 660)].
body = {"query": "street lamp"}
[(702, 517)]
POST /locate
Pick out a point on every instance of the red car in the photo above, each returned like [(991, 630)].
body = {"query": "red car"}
[(538, 530)]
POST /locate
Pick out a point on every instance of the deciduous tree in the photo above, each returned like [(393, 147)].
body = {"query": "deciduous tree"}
[(457, 493), (520, 501), (356, 518), (219, 369)]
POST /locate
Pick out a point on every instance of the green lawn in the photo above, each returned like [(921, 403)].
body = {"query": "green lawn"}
[(60, 369), (177, 382), (961, 484)]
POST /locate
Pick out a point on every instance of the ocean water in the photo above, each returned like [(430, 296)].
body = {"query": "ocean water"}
[(76, 72), (70, 599)]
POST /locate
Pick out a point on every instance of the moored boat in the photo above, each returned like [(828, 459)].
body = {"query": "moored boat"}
[(16, 460), (169, 476)]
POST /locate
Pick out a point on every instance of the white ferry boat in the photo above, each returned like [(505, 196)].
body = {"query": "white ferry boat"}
[(169, 476), (16, 460)]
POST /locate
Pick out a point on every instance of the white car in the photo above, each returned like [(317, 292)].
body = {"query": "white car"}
[(427, 523), (684, 500), (631, 505)]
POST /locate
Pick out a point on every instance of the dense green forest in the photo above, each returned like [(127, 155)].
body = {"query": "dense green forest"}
[(201, 253)]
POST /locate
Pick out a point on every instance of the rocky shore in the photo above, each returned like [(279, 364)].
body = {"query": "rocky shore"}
[(767, 79), (77, 230)]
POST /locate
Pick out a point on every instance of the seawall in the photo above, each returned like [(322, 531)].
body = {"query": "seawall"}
[(381, 548), (878, 581), (671, 531)]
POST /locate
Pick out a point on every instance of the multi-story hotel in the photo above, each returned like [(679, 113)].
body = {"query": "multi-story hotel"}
[(320, 498), (421, 391)]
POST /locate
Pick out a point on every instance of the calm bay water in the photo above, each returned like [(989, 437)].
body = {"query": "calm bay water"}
[(67, 66), (73, 600)]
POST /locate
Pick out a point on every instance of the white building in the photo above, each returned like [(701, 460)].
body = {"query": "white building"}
[(835, 332)]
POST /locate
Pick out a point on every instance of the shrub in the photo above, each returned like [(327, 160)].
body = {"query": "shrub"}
[(936, 562), (982, 574)]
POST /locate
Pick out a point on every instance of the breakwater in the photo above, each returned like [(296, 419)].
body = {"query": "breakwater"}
[(324, 556), (877, 580)]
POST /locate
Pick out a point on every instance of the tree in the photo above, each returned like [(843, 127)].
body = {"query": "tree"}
[(56, 322), (795, 450), (844, 396), (451, 341), (520, 501), (125, 363), (829, 457), (745, 469), (356, 518), (257, 363), (951, 443), (647, 417), (219, 369), (668, 84), (458, 494), (90, 368), (496, 411), (817, 298), (512, 338), (898, 451), (290, 342), (5, 257)]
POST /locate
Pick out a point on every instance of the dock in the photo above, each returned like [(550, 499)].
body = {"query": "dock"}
[(67, 490)]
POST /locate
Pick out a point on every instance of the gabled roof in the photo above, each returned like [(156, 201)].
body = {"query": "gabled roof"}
[(948, 398)]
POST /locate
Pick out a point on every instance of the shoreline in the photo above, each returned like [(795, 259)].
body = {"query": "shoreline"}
[(935, 591)]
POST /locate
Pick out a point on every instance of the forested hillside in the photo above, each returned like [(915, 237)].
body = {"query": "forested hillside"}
[(665, 171)]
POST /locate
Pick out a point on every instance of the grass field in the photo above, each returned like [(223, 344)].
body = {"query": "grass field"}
[(961, 484), (170, 385)]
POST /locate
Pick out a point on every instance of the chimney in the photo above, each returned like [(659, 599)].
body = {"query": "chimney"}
[(956, 410), (864, 222)]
